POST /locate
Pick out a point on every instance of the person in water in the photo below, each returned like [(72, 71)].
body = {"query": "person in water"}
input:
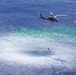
[(49, 49)]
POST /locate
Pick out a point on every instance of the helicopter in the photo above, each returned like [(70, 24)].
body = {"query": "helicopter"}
[(52, 18)]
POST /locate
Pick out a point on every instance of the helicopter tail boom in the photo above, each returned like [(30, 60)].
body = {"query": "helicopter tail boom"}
[(42, 17)]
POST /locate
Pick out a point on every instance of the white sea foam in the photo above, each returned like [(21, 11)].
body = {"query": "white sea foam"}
[(34, 51)]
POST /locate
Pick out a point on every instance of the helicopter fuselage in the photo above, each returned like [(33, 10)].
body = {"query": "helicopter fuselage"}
[(50, 18), (53, 19)]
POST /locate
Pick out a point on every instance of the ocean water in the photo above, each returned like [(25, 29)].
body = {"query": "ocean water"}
[(25, 38)]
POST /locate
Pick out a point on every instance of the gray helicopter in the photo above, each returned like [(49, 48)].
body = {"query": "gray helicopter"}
[(52, 18)]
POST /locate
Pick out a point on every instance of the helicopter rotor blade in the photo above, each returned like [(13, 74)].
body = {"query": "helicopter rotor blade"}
[(51, 13), (62, 15)]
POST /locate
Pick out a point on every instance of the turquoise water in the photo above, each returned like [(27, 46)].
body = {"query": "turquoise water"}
[(61, 34)]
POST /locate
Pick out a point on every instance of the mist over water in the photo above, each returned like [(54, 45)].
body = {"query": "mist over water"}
[(30, 46)]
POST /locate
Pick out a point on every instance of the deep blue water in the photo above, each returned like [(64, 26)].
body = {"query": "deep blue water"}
[(25, 38), (26, 13)]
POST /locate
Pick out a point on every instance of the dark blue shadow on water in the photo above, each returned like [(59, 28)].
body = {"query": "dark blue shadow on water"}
[(37, 53)]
